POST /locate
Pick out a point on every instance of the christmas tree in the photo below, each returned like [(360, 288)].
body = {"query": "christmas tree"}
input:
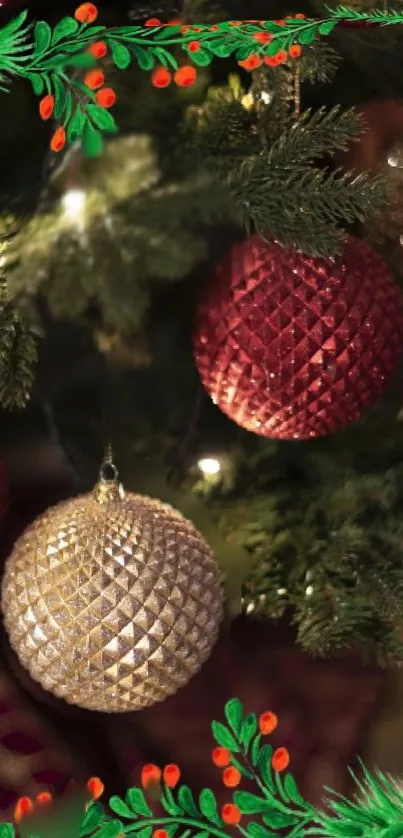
[(104, 259)]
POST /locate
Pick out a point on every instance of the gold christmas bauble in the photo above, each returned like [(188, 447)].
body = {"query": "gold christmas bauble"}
[(112, 601)]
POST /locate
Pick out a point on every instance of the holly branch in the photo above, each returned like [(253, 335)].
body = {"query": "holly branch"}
[(280, 809), (52, 59)]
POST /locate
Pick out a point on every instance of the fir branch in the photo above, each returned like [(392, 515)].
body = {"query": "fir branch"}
[(300, 206), (18, 357), (319, 63), (316, 134)]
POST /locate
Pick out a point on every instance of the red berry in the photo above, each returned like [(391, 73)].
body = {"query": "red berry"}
[(44, 798), (46, 106), (251, 63), (221, 757), (86, 13), (58, 140), (161, 77), (106, 97), (267, 722), (95, 788), (231, 814), (185, 76), (94, 79), (150, 775), (171, 775), (231, 777), (280, 759), (98, 49), (23, 807)]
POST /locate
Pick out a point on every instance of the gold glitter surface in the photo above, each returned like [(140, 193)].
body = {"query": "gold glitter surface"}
[(112, 601)]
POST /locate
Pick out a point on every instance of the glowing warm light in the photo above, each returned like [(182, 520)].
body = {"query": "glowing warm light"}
[(209, 466), (73, 203)]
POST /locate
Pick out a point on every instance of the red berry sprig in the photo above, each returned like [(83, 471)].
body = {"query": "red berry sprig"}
[(94, 80)]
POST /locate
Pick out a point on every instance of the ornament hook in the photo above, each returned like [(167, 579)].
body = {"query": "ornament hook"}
[(108, 488), (108, 472)]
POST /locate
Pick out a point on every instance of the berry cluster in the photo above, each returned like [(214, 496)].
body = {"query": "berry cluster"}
[(254, 61), (25, 806), (222, 758), (94, 80), (184, 76)]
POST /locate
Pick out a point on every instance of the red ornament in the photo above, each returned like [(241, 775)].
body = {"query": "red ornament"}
[(292, 347)]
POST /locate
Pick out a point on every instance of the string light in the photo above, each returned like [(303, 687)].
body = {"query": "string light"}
[(209, 466), (73, 204)]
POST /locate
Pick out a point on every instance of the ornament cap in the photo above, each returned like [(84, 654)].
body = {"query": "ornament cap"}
[(108, 489)]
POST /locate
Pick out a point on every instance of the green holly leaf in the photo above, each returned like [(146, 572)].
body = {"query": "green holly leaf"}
[(249, 804), (280, 820), (76, 125), (137, 802), (275, 46), (110, 830), (120, 807), (7, 830), (242, 770), (169, 801), (222, 49), (145, 833), (327, 26), (224, 737), (167, 33), (12, 27), (307, 36), (186, 801), (256, 830), (264, 765), (243, 52), (255, 750), (102, 118), (82, 59), (234, 715), (208, 806), (42, 36), (93, 817), (165, 58), (144, 57), (93, 141), (202, 58), (121, 56), (292, 790), (38, 83), (66, 26), (60, 93), (248, 730)]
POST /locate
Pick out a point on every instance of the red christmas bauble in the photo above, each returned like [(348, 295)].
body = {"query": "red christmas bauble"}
[(292, 347)]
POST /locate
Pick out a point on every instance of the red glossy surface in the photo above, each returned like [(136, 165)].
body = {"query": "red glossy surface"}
[(292, 347)]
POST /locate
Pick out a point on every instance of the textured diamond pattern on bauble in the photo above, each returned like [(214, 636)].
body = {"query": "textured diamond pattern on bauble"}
[(112, 607), (292, 347)]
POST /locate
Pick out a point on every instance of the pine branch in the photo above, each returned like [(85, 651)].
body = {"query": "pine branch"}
[(317, 134), (18, 357), (319, 63), (298, 205), (268, 161), (223, 129)]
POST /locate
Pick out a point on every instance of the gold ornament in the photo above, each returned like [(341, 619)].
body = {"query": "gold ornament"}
[(112, 601)]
